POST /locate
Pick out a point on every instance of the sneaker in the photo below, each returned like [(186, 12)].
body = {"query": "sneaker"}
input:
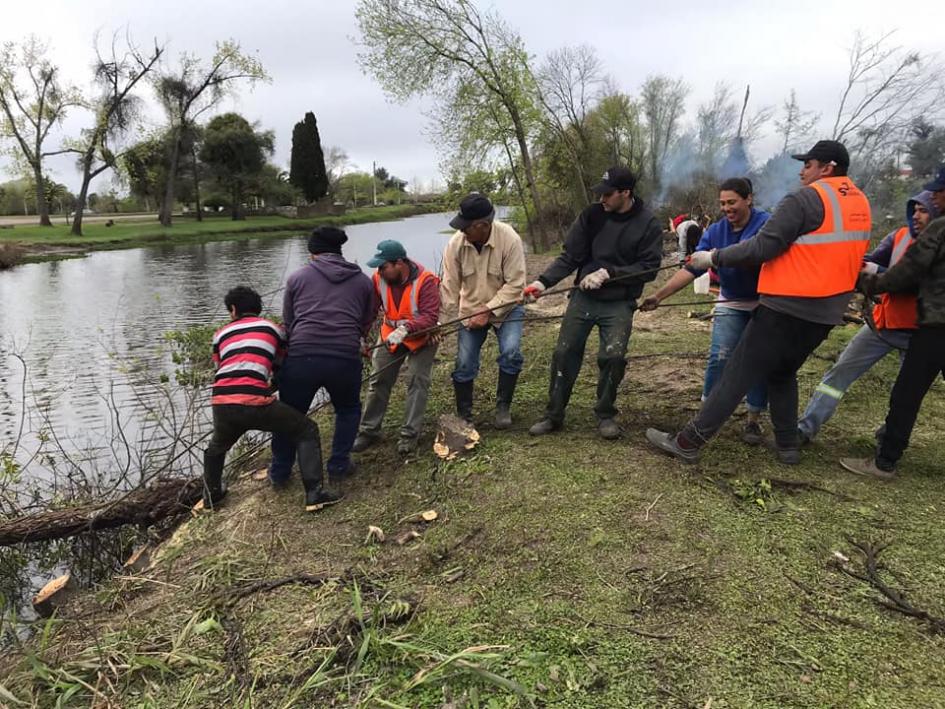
[(669, 443), (543, 427), (406, 446), (317, 500), (786, 456), (363, 442), (752, 433), (608, 429), (867, 468)]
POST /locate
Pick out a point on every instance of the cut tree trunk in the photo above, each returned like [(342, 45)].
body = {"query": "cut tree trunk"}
[(144, 507)]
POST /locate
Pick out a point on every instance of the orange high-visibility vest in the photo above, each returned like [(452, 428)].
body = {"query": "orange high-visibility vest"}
[(897, 311), (396, 314), (825, 261)]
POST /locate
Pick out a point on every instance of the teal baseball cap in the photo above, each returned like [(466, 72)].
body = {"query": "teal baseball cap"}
[(387, 250)]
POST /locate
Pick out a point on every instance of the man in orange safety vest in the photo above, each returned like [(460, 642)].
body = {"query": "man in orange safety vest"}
[(410, 299), (810, 251)]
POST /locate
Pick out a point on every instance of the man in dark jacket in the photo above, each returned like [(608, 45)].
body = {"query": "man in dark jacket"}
[(608, 243), (922, 266), (328, 308)]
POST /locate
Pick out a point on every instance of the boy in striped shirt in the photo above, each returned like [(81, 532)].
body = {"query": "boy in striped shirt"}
[(245, 352)]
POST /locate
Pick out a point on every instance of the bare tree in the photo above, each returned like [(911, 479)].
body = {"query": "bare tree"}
[(715, 126), (32, 101), (568, 81), (662, 100), (887, 87), (192, 90), (444, 47), (115, 108), (336, 164), (796, 125)]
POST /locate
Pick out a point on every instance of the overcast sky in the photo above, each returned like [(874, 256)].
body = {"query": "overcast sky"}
[(309, 50)]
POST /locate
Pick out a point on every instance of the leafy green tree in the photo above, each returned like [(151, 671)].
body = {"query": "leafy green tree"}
[(354, 188), (307, 163), (114, 111), (190, 91), (927, 148), (33, 100), (467, 59), (235, 156)]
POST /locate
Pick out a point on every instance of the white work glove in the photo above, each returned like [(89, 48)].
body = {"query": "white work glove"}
[(702, 260), (870, 267), (397, 336), (593, 281), (532, 291)]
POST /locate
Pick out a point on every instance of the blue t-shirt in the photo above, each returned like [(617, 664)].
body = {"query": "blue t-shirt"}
[(736, 283)]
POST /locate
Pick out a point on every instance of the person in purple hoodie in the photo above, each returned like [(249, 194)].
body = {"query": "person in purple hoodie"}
[(328, 308)]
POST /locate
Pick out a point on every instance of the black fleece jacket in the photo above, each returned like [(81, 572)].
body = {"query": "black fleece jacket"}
[(624, 244)]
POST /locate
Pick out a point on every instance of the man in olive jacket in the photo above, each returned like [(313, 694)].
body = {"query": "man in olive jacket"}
[(608, 243), (922, 266)]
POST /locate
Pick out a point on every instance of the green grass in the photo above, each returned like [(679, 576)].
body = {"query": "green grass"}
[(564, 571), (124, 234)]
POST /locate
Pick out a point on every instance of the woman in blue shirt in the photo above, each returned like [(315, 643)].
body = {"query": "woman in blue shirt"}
[(739, 292)]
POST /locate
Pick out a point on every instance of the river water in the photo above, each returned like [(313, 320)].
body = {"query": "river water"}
[(90, 332)]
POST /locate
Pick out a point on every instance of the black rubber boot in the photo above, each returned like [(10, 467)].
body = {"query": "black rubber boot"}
[(464, 399), (504, 391), (310, 467), (213, 490)]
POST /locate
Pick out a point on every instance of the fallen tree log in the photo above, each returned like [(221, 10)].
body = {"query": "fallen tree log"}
[(143, 507)]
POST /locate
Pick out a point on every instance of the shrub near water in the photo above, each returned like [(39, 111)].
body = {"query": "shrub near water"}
[(10, 255)]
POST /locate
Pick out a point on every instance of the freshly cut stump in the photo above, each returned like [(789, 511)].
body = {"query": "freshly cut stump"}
[(52, 595), (454, 436)]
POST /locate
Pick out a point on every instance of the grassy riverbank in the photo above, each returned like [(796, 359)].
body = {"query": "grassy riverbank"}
[(56, 241), (565, 571)]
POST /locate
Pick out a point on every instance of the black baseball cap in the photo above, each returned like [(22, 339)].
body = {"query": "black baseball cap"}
[(473, 208), (938, 182), (827, 151), (616, 178)]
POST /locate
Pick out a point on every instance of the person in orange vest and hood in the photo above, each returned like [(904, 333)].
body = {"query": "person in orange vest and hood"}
[(894, 317), (810, 251), (410, 298)]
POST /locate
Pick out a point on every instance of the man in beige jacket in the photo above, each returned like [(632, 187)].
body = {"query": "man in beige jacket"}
[(483, 278)]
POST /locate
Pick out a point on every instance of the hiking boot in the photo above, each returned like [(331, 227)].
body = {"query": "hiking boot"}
[(464, 399), (544, 427), (753, 434), (674, 444), (867, 468), (786, 455), (608, 429), (363, 442), (317, 500), (504, 391), (406, 446)]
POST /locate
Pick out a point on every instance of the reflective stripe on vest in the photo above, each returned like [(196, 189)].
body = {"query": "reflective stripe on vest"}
[(826, 261), (897, 311)]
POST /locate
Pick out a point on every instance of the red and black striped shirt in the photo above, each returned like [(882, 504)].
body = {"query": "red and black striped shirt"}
[(244, 353)]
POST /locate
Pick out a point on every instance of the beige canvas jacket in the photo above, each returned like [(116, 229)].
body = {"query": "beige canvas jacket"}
[(473, 281)]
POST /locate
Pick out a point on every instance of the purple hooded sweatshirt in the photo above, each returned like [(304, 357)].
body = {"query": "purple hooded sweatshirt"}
[(329, 305)]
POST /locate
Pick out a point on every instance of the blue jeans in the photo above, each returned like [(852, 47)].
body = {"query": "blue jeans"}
[(862, 352), (728, 324), (509, 334), (299, 380)]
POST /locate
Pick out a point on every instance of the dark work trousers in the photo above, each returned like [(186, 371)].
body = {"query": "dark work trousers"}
[(230, 421), (771, 350), (614, 321), (925, 358), (299, 380)]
